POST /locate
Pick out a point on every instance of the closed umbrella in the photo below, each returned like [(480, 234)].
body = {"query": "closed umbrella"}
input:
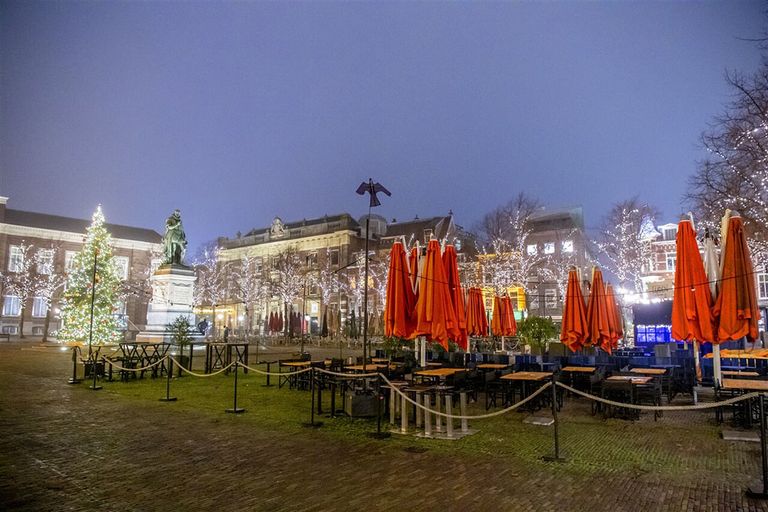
[(477, 322), (614, 317), (736, 305), (280, 322), (450, 263), (497, 323), (599, 330), (435, 316), (692, 300), (508, 314), (413, 265), (399, 308), (574, 331)]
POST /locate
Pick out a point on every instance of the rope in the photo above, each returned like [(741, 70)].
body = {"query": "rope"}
[(283, 374), (478, 417), (122, 368), (698, 407), (202, 374)]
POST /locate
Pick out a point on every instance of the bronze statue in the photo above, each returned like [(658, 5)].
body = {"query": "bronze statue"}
[(174, 240)]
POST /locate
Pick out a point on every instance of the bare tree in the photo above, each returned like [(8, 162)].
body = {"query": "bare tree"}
[(248, 286), (47, 282), (506, 222), (211, 286), (624, 241), (735, 175), (290, 278), (20, 281)]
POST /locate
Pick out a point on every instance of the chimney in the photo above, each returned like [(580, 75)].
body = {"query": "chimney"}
[(3, 201)]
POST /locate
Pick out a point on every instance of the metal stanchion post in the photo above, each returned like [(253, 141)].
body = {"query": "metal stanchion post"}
[(268, 385), (379, 434), (168, 397), (235, 409), (93, 360), (763, 454), (74, 379), (555, 426), (312, 423)]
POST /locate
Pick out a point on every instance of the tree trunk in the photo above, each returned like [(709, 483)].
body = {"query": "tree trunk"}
[(21, 321), (47, 324), (213, 321)]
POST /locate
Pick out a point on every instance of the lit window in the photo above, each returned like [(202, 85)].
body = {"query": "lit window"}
[(45, 261), (549, 248), (533, 300), (11, 306), (566, 246), (121, 262), (16, 260), (532, 250), (671, 258), (550, 299), (762, 285), (69, 260), (39, 307)]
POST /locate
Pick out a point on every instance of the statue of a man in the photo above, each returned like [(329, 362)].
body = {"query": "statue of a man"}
[(174, 240)]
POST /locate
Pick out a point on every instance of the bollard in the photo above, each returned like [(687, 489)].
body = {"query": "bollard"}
[(427, 414), (763, 454), (312, 423), (463, 409), (168, 397), (555, 426), (74, 379), (404, 415), (449, 412), (235, 409), (392, 405)]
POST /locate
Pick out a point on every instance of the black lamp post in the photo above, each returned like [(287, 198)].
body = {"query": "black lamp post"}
[(372, 189), (91, 356)]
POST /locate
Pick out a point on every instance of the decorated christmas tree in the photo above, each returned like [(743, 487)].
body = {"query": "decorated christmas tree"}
[(76, 309)]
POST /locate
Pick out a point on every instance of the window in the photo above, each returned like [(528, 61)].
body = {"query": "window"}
[(549, 248), (121, 262), (533, 300), (69, 260), (670, 233), (334, 257), (120, 307), (312, 260), (566, 246), (11, 306), (532, 250), (257, 266), (427, 235), (762, 286), (155, 264), (39, 307), (550, 299), (45, 261), (10, 329), (671, 257), (16, 260)]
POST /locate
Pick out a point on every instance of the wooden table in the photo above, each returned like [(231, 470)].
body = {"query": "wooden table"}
[(297, 364), (290, 377), (523, 378), (745, 384), (649, 371), (370, 367), (535, 376), (379, 360), (631, 378), (492, 366), (580, 369), (732, 373), (439, 372)]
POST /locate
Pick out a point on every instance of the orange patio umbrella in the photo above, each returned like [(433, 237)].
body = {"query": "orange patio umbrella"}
[(477, 321), (735, 309), (614, 317), (435, 316), (598, 328), (413, 262), (692, 300), (497, 322), (509, 325), (399, 320), (451, 265), (573, 333)]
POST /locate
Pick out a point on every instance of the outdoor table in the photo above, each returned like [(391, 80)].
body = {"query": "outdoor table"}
[(368, 368), (732, 373), (438, 373), (438, 365), (745, 386), (636, 381), (379, 360), (649, 371), (523, 378), (293, 366), (220, 355), (580, 369), (492, 366)]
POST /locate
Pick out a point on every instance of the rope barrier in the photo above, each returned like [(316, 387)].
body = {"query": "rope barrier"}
[(477, 417), (122, 368), (202, 374), (283, 374), (698, 407)]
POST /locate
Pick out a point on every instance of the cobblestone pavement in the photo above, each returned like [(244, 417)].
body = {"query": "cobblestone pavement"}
[(67, 448)]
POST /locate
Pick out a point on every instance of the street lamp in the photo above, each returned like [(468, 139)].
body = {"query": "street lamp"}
[(372, 189)]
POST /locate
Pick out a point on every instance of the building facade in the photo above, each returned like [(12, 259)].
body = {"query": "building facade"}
[(59, 238)]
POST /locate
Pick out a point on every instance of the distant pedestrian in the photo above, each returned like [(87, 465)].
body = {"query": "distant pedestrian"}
[(226, 334)]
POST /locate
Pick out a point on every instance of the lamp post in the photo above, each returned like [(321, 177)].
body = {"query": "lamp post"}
[(90, 331), (372, 189)]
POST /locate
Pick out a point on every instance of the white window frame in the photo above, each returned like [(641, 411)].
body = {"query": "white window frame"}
[(566, 246), (670, 256), (550, 298), (8, 308), (122, 268), (549, 247), (39, 307), (15, 258), (533, 300), (45, 261), (762, 286), (69, 260), (532, 249)]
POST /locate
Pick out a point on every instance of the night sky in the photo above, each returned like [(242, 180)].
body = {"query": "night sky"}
[(238, 112)]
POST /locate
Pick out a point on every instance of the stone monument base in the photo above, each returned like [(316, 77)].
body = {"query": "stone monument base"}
[(172, 292)]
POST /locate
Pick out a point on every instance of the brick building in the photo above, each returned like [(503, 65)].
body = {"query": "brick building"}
[(62, 237)]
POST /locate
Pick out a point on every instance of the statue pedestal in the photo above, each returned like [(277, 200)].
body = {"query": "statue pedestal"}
[(172, 292)]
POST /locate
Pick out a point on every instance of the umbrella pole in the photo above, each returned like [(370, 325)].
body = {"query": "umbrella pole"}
[(502, 344), (716, 364), (697, 368)]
